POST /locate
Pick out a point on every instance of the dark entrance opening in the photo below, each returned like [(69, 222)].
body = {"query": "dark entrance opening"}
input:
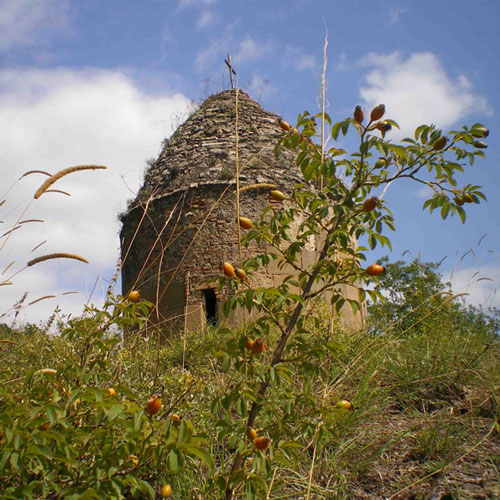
[(210, 300)]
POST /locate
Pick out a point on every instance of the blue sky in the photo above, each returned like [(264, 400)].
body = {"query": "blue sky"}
[(104, 82)]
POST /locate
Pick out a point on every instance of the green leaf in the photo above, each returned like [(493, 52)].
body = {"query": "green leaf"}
[(14, 460), (250, 493), (5, 457), (175, 460), (226, 363), (419, 131), (339, 304), (51, 413), (354, 305), (249, 299), (248, 393), (399, 150), (19, 441), (8, 434), (41, 451), (137, 420), (461, 214), (116, 486), (284, 372), (115, 411), (272, 374), (258, 481), (277, 150), (372, 241), (308, 171), (181, 437), (384, 240), (345, 126), (202, 454), (335, 130), (294, 140), (146, 488), (89, 494), (241, 407), (392, 122), (445, 210), (290, 444)]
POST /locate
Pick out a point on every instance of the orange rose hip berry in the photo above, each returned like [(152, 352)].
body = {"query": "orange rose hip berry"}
[(153, 406), (377, 112)]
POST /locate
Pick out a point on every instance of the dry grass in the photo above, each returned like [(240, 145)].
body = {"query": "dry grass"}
[(57, 191), (35, 172), (54, 178), (40, 299), (57, 255)]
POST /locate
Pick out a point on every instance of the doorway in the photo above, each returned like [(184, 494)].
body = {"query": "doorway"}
[(210, 302)]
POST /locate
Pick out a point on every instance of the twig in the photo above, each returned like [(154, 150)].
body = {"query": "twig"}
[(237, 169), (323, 93), (311, 471), (271, 485)]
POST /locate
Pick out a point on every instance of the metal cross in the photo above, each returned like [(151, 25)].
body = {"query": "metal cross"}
[(231, 70)]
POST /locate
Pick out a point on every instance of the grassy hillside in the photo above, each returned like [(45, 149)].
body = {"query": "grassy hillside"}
[(423, 421)]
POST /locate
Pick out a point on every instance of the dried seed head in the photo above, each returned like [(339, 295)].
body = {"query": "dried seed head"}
[(62, 173), (60, 255)]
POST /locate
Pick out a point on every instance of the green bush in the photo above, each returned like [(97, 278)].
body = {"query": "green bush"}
[(65, 434)]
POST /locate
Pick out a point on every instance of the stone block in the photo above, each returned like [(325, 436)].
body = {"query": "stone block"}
[(278, 280), (279, 267), (308, 258), (195, 317)]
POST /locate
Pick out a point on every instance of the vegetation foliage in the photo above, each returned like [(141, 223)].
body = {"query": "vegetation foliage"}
[(283, 407)]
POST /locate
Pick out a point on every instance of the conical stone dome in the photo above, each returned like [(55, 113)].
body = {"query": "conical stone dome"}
[(203, 149)]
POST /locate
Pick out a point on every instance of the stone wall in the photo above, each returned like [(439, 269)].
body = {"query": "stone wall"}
[(177, 254), (182, 225), (174, 263)]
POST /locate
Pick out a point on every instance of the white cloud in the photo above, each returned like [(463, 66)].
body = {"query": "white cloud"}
[(418, 90), (58, 118), (341, 63), (385, 61), (166, 36), (295, 57), (423, 192), (259, 87), (207, 18), (480, 283), (306, 61), (216, 50), (395, 14), (183, 4), (250, 50), (24, 22)]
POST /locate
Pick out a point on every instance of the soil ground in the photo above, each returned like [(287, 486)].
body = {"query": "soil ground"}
[(425, 464)]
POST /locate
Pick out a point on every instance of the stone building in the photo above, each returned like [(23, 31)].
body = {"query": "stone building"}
[(182, 225)]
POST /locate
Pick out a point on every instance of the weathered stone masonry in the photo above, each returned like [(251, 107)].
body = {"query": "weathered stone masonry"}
[(173, 250)]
